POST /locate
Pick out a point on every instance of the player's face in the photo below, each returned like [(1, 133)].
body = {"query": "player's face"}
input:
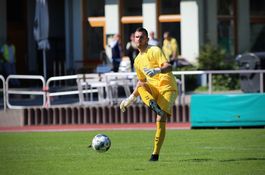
[(141, 40)]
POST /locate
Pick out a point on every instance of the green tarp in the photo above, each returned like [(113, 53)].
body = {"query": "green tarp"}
[(230, 110)]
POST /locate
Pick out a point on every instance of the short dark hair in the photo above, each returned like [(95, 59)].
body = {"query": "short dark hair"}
[(141, 29)]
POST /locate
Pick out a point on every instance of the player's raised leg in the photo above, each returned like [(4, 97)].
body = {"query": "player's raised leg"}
[(148, 99)]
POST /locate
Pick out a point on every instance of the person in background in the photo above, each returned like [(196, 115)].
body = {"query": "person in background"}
[(170, 48), (116, 52), (156, 86), (152, 40), (131, 50), (8, 55)]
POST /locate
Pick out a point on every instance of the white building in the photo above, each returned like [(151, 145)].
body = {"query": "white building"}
[(79, 29)]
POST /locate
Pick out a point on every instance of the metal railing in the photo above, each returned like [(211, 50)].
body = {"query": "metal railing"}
[(124, 80), (4, 91), (109, 77), (213, 72), (209, 74), (77, 87), (63, 93), (24, 91)]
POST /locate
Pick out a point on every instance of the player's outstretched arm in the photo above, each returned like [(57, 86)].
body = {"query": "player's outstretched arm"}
[(166, 67), (132, 98), (127, 102), (152, 72)]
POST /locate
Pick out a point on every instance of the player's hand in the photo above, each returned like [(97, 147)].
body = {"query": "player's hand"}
[(152, 72), (128, 101)]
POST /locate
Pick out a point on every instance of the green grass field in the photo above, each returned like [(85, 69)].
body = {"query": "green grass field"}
[(218, 151)]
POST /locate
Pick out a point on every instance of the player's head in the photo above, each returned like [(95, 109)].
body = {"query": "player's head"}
[(141, 38), (143, 30)]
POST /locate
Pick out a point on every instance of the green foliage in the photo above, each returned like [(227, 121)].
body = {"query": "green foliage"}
[(225, 82), (186, 68), (198, 152), (201, 89), (214, 58)]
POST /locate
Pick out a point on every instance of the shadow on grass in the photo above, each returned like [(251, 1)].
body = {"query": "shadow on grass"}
[(225, 160), (242, 159)]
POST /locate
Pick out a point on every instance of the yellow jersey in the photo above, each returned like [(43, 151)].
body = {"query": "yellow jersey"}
[(169, 47), (153, 57)]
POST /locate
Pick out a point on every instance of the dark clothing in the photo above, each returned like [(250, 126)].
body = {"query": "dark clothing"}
[(116, 50), (131, 52), (116, 56)]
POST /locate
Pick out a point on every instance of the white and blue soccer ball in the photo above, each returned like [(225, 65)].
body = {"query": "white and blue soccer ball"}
[(101, 143)]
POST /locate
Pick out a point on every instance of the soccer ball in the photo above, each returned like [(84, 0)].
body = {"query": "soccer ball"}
[(101, 143)]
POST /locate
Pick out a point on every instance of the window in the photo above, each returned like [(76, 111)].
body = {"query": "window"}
[(257, 26), (170, 7), (257, 8), (131, 18), (96, 8), (94, 29), (132, 8), (131, 11), (227, 25), (169, 19)]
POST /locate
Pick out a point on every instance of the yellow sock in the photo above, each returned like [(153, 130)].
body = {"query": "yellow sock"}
[(159, 136), (145, 95)]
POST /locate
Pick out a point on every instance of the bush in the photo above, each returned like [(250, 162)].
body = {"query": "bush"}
[(214, 58)]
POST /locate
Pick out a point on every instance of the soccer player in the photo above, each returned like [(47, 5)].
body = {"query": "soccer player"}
[(156, 86)]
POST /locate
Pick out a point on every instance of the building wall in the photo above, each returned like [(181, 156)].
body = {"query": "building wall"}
[(150, 15), (198, 23), (190, 30), (112, 17)]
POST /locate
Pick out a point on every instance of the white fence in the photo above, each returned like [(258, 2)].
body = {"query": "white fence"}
[(30, 91), (211, 73), (3, 90), (84, 86), (56, 93)]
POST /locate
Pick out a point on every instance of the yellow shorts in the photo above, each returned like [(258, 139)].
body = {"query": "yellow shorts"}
[(165, 99)]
